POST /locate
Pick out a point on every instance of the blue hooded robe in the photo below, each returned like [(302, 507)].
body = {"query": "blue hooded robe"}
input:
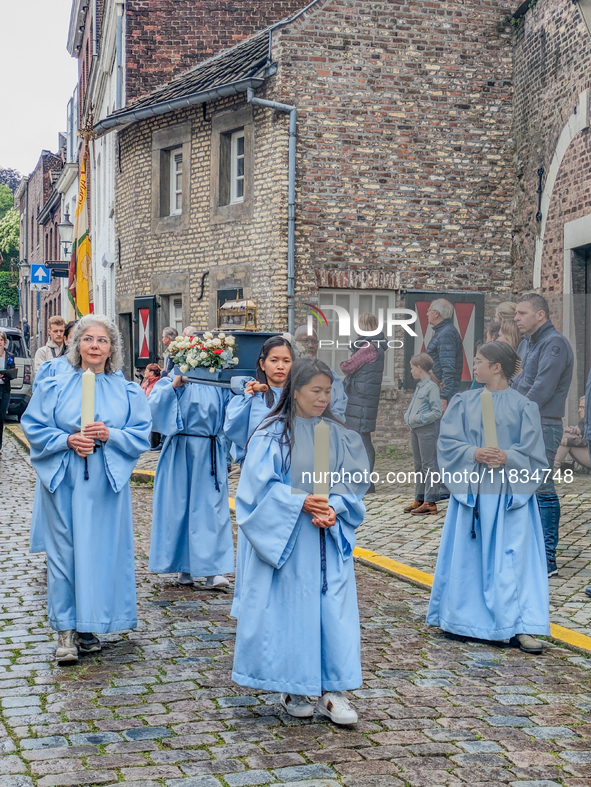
[(191, 526), (292, 636), (494, 585), (88, 523)]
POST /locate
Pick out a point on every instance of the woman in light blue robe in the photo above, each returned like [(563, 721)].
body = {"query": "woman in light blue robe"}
[(86, 500), (191, 526), (298, 620), (491, 579), (248, 409)]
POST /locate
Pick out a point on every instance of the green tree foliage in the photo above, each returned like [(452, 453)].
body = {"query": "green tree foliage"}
[(9, 240), (10, 177), (8, 293), (6, 199)]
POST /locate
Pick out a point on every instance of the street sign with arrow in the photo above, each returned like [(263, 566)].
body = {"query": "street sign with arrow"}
[(40, 277)]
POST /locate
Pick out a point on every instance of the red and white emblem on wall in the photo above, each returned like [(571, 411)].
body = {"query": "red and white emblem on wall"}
[(464, 320), (144, 333)]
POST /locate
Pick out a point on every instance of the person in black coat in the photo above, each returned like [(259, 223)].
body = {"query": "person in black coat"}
[(7, 373), (445, 348), (363, 383)]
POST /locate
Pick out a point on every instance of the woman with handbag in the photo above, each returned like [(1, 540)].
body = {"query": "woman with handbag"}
[(7, 373)]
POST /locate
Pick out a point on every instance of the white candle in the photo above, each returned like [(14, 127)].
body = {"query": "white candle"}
[(488, 420), (87, 416), (321, 458)]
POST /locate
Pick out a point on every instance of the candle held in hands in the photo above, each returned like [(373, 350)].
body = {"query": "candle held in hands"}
[(87, 416), (321, 458), (488, 420)]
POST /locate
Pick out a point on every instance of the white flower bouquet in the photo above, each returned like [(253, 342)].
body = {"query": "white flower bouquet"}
[(207, 351)]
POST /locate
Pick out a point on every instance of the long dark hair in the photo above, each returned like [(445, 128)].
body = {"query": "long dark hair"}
[(261, 377), (300, 374), (503, 353)]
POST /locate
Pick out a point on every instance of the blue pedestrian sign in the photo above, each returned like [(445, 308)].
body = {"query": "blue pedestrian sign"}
[(40, 277)]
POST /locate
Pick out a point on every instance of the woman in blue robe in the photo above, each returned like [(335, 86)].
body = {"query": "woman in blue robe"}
[(191, 526), (84, 491), (248, 409), (491, 579), (298, 620)]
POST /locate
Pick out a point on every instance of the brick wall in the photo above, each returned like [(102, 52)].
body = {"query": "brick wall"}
[(405, 146), (552, 67), (250, 253), (167, 37), (405, 153)]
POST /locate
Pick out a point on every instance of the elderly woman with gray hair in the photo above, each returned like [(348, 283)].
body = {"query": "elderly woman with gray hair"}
[(88, 521)]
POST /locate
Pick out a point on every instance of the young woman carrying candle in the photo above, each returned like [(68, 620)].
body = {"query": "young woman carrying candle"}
[(491, 580), (84, 491), (298, 628)]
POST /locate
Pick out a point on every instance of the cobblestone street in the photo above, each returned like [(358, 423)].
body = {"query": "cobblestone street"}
[(158, 706)]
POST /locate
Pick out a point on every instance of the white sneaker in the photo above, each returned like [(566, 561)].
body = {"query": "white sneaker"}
[(217, 582), (297, 705), (337, 708), (184, 578), (67, 650)]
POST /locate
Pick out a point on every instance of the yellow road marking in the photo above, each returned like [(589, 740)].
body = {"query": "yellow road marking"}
[(560, 633)]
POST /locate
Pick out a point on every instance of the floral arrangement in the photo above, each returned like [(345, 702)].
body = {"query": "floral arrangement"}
[(209, 351)]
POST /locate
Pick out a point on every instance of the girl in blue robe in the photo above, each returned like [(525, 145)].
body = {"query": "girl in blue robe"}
[(191, 526), (248, 409), (491, 579), (86, 500), (298, 621)]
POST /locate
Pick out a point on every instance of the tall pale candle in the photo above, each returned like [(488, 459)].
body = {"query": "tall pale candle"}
[(488, 420), (321, 458), (87, 417)]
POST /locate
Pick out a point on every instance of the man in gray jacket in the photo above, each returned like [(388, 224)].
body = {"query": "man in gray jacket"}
[(547, 369), (55, 344)]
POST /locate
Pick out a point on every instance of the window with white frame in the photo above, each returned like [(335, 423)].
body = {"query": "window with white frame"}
[(364, 301), (237, 167), (176, 181), (176, 312)]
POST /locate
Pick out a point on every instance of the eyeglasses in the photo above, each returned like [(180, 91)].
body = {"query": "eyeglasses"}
[(88, 340), (477, 362)]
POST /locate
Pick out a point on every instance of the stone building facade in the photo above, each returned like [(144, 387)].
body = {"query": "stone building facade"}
[(552, 132), (404, 175), (39, 205)]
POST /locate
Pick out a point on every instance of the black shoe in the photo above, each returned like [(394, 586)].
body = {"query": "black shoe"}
[(587, 591), (158, 448), (88, 643)]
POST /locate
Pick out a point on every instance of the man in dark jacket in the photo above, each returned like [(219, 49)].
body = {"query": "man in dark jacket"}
[(445, 348), (546, 373)]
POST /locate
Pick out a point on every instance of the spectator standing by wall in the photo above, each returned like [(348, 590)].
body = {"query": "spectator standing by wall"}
[(363, 383), (422, 416), (55, 344), (547, 370), (445, 348), (7, 373)]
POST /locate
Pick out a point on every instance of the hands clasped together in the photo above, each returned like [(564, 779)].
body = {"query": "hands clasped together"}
[(323, 516), (490, 456), (83, 442)]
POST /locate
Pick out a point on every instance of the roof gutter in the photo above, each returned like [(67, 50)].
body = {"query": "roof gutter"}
[(133, 115), (291, 197)]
